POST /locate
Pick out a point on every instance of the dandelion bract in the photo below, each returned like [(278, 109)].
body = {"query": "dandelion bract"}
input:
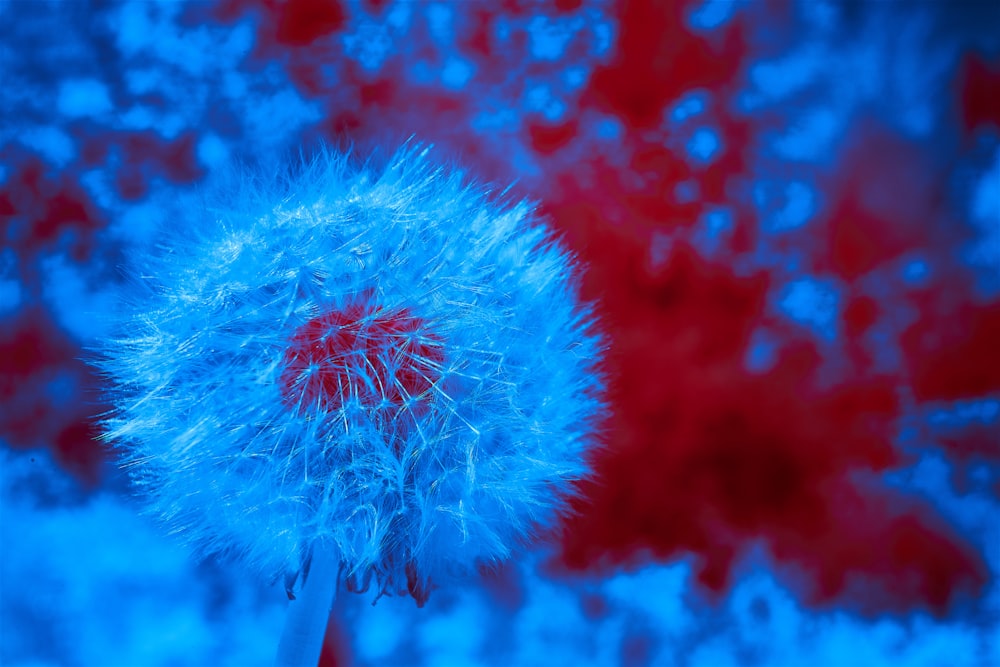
[(375, 355)]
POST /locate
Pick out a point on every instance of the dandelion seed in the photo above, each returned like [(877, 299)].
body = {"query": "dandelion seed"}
[(355, 373)]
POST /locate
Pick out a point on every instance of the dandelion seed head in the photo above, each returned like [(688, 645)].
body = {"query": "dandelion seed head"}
[(375, 356)]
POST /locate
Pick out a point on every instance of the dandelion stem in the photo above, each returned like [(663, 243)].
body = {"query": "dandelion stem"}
[(305, 626)]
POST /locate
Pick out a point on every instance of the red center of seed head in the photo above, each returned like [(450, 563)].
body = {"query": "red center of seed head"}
[(361, 352)]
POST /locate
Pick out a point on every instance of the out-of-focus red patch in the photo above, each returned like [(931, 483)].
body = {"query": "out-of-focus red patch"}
[(638, 200), (308, 75), (855, 245), (7, 208), (977, 443), (146, 155), (715, 182), (336, 651), (39, 207), (78, 451), (362, 351), (384, 105), (42, 389), (656, 59), (375, 6), (379, 92), (952, 353), (93, 151), (547, 138), (886, 199), (568, 5), (302, 22), (636, 649), (707, 458), (132, 185), (292, 32), (28, 343), (594, 606), (859, 315), (477, 39), (503, 582), (877, 559), (979, 92), (224, 11), (179, 159), (975, 458)]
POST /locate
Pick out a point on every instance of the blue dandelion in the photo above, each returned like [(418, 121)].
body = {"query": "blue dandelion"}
[(355, 375)]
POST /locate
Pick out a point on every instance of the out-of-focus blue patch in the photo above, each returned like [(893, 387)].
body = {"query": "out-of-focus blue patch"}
[(441, 21), (604, 37), (575, 77), (72, 300), (777, 79), (549, 624), (660, 245), (820, 13), (916, 272), (380, 629), (712, 14), (986, 199), (271, 119), (454, 637), (239, 39), (91, 583), (100, 189), (687, 191), (716, 221), (132, 27), (812, 302), (369, 45), (138, 223), (153, 27), (765, 616), (138, 118), (547, 39), (960, 414), (421, 72), (51, 142), (11, 296), (691, 104), (713, 225), (493, 122), (984, 251), (234, 85), (144, 80), (910, 82), (812, 139), (539, 98), (799, 206), (523, 161), (609, 127), (456, 73), (212, 151), (717, 652), (764, 611), (83, 97), (931, 476), (703, 146), (762, 352), (667, 610), (62, 389)]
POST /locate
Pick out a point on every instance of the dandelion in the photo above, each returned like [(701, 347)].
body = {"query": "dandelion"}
[(355, 372)]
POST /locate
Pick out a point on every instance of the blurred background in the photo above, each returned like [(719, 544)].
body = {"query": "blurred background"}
[(787, 212)]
